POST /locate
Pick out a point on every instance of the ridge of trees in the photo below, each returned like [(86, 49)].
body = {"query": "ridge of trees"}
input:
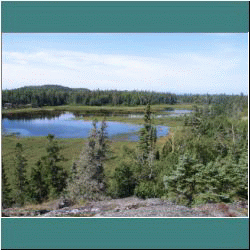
[(54, 95)]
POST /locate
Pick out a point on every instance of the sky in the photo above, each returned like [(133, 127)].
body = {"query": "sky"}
[(197, 63)]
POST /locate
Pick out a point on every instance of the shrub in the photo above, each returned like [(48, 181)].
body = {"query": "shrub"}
[(123, 183), (221, 180), (146, 189), (182, 185)]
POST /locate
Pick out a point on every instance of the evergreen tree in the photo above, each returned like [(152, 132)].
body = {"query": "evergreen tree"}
[(102, 137), (87, 174), (181, 185), (39, 187), (123, 183), (6, 200), (242, 176), (20, 182), (49, 179), (146, 147)]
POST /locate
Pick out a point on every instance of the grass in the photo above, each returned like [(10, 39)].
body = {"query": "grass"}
[(98, 109), (35, 147), (166, 121)]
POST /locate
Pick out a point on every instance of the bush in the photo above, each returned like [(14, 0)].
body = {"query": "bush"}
[(208, 197), (122, 183), (195, 183), (146, 189), (182, 185)]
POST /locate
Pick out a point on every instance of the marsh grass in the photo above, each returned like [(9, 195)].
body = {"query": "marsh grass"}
[(35, 148), (98, 109)]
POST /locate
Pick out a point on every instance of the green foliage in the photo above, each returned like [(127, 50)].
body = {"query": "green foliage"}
[(181, 184), (147, 135), (241, 183), (6, 199), (203, 161), (157, 155), (147, 159), (146, 189), (233, 177), (48, 179), (146, 148), (220, 180), (87, 174), (122, 183), (54, 95), (39, 186), (20, 181)]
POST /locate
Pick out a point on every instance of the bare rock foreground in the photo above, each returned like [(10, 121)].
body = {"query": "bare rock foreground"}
[(135, 207)]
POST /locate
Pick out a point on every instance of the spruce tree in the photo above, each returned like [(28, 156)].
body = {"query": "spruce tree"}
[(39, 187), (146, 147), (56, 176), (20, 182), (6, 200), (181, 185), (123, 181), (102, 137), (87, 174), (48, 178)]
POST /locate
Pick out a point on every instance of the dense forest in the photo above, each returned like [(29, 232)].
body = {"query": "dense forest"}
[(203, 161), (54, 95)]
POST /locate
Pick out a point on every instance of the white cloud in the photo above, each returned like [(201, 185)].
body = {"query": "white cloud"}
[(177, 72)]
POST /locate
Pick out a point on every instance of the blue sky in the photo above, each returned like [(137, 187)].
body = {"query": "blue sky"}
[(166, 62)]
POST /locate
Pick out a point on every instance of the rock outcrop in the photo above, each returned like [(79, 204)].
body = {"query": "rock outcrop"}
[(134, 207)]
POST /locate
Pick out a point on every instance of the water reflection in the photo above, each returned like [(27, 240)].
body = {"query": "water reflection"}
[(30, 116), (64, 125)]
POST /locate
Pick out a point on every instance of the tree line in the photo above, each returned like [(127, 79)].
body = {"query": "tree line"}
[(53, 95)]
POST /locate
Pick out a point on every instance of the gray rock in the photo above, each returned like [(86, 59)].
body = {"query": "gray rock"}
[(63, 202)]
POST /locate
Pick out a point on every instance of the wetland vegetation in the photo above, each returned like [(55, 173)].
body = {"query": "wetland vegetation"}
[(201, 158)]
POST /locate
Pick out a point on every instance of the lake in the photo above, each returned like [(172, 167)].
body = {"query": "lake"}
[(66, 126)]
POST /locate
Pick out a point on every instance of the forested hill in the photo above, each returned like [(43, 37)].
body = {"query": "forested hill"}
[(51, 87), (54, 95)]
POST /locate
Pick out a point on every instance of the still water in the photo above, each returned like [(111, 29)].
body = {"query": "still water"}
[(65, 126)]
